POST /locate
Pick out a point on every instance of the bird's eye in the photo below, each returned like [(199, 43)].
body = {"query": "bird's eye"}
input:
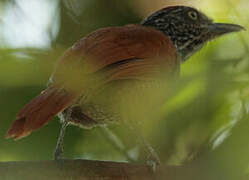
[(193, 15)]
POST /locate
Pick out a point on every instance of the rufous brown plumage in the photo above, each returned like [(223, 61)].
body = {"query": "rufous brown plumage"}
[(143, 53)]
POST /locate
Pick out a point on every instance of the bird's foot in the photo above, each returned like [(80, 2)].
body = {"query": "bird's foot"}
[(58, 154), (153, 161)]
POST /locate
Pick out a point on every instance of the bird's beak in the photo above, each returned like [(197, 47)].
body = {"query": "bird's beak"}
[(218, 29)]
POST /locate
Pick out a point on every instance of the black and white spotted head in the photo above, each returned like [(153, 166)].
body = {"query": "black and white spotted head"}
[(188, 28)]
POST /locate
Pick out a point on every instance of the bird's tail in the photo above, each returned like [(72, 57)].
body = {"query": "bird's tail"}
[(39, 111)]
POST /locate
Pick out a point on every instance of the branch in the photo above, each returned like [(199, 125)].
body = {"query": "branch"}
[(79, 170), (104, 170)]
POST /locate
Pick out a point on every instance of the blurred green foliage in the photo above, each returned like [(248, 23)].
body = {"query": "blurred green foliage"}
[(205, 120)]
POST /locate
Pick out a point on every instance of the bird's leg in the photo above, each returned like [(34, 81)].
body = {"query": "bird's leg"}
[(153, 159), (117, 143), (58, 154)]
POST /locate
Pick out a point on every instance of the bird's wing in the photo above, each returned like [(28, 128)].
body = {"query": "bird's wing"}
[(131, 51)]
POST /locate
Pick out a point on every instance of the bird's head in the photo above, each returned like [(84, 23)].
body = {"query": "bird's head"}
[(187, 28)]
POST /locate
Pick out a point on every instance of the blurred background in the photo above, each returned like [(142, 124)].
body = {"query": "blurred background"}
[(206, 120)]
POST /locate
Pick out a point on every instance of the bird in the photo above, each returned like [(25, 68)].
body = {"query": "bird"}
[(95, 77)]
